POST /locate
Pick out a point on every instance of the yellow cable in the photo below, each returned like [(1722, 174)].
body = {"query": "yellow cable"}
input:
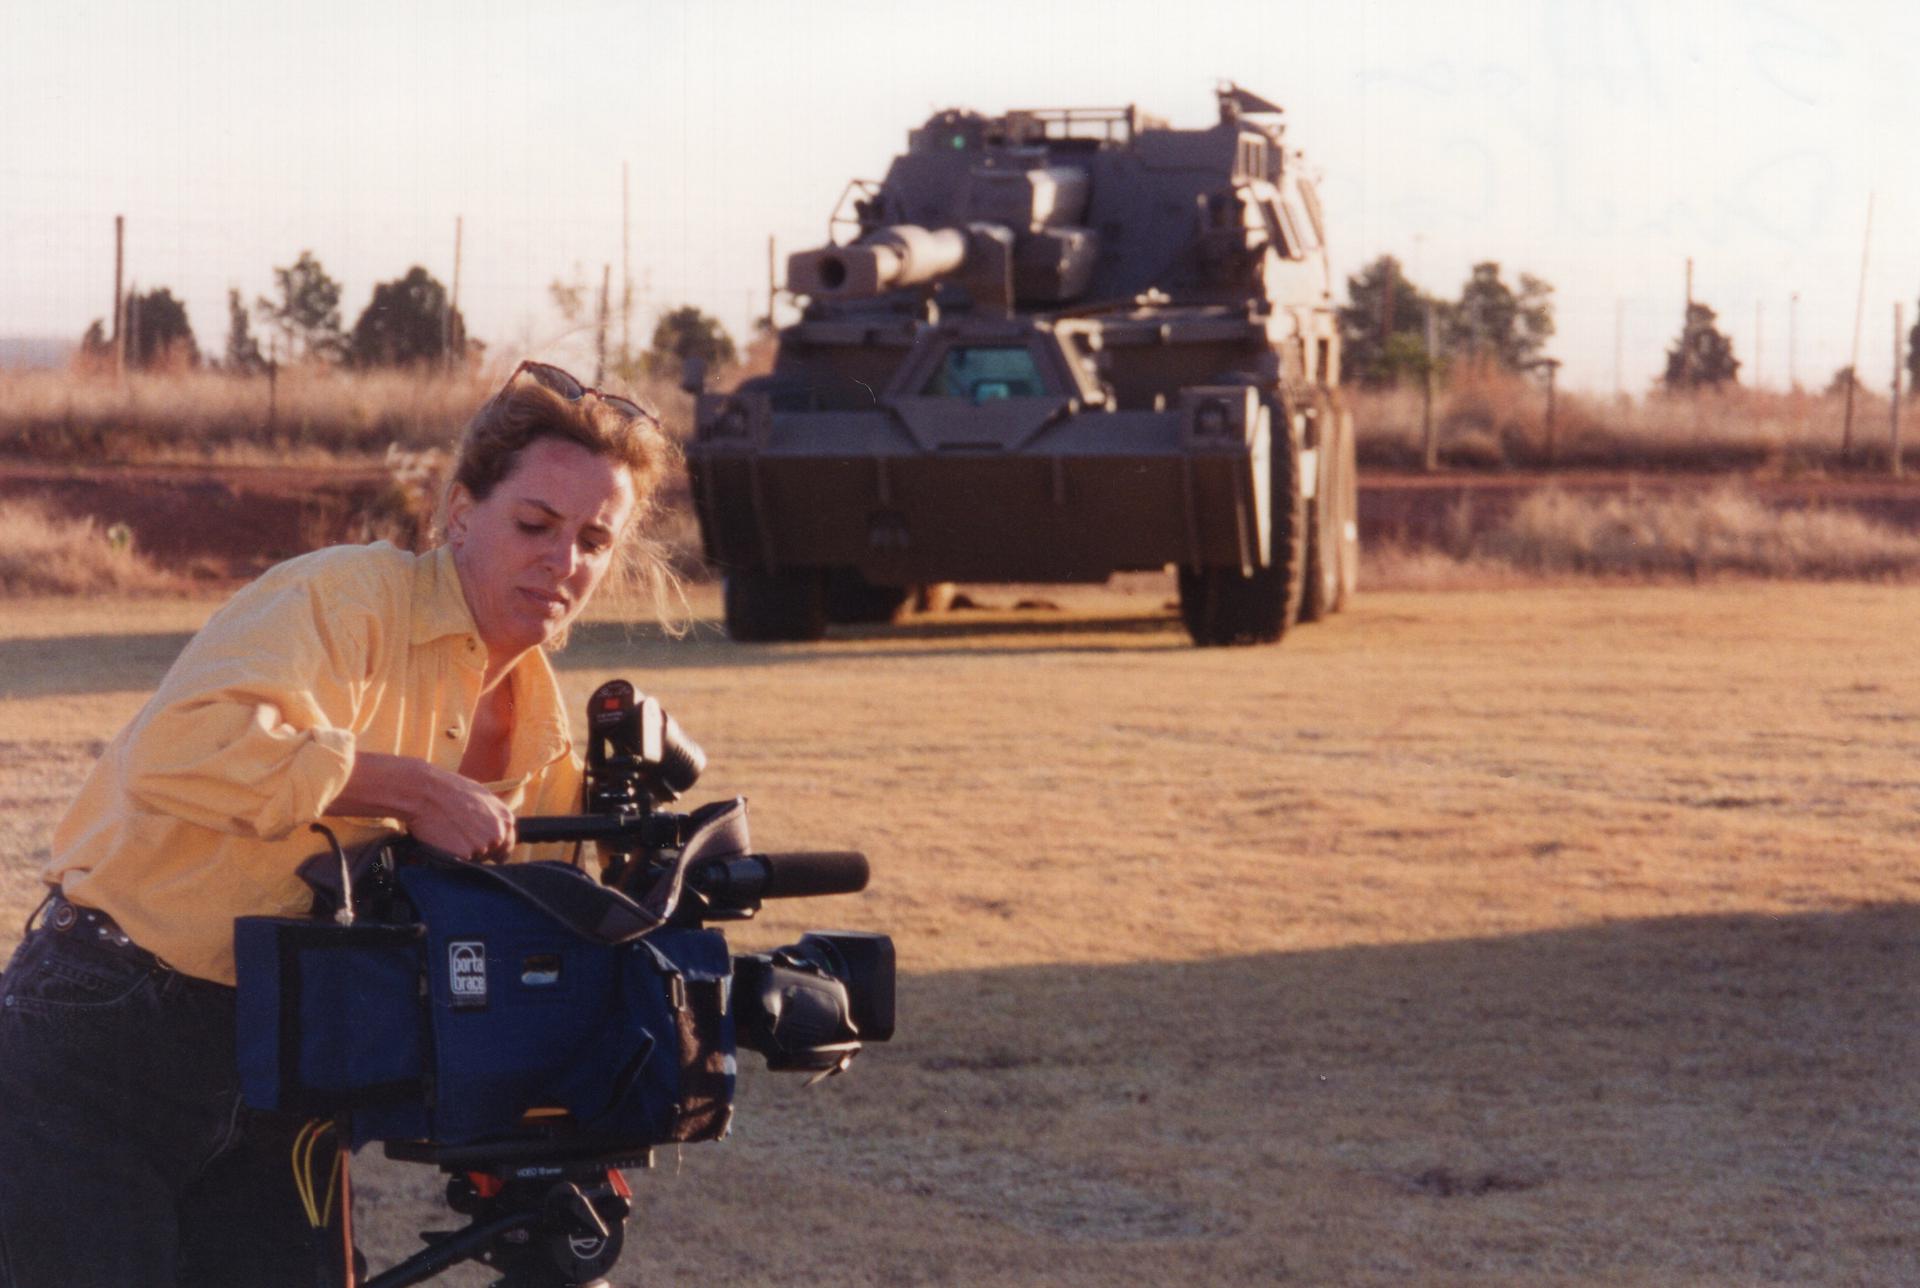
[(299, 1177), (333, 1186), (305, 1141), (306, 1173)]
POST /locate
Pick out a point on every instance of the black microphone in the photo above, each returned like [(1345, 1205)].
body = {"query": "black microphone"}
[(744, 880)]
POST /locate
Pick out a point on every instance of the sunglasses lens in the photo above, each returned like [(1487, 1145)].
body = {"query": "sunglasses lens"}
[(555, 379), (572, 390)]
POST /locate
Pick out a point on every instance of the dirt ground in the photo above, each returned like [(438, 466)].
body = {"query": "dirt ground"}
[(1523, 937)]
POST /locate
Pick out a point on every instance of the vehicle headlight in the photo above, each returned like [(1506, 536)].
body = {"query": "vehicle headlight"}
[(732, 422), (1213, 419)]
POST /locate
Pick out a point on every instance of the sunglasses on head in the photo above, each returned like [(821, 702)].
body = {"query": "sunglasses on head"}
[(563, 383)]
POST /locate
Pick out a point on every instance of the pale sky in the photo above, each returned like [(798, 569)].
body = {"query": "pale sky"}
[(1597, 145)]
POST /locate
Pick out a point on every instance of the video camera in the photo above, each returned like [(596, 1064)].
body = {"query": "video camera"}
[(530, 1030)]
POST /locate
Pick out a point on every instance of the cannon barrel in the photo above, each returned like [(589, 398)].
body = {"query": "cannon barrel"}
[(897, 255)]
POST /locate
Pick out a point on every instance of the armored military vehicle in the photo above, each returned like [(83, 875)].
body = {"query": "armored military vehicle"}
[(1048, 347)]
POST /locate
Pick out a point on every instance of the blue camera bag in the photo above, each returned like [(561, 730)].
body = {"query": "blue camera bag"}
[(505, 994)]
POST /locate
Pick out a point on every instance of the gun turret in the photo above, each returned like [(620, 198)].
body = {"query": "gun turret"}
[(1018, 239), (895, 256)]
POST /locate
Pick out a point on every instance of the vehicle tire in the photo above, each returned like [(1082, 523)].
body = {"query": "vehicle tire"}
[(934, 597), (770, 607), (1326, 518), (1223, 606), (1346, 486), (852, 600)]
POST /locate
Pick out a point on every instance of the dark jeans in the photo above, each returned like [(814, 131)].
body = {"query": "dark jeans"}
[(126, 1157)]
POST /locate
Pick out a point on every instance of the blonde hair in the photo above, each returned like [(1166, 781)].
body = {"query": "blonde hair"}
[(525, 411)]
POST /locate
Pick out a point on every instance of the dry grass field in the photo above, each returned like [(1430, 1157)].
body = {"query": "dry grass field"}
[(1562, 936)]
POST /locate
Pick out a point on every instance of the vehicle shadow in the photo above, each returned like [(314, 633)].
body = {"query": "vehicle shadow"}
[(1689, 1099), (599, 645), (134, 662), (117, 662)]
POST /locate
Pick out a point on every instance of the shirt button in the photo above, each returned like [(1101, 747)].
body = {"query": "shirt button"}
[(453, 731)]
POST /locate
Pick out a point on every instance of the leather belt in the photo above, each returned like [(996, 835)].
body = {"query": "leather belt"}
[(92, 926)]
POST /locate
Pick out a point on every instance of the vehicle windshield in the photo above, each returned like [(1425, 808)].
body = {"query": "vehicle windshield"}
[(981, 374)]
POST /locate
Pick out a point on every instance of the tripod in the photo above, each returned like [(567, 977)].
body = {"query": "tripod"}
[(543, 1217)]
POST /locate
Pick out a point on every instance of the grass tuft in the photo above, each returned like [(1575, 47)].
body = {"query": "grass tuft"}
[(307, 415), (1726, 531), (1489, 420), (43, 552)]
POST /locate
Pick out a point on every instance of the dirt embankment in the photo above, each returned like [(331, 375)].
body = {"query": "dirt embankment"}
[(228, 522), (219, 522)]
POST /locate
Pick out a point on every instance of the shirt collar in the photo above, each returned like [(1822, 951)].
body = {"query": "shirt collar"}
[(542, 733), (439, 605)]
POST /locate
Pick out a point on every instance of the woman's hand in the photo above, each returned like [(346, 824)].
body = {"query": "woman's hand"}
[(460, 816), (441, 808)]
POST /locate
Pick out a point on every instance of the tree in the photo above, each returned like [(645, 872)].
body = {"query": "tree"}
[(1842, 380), (243, 351), (94, 344), (307, 314), (1383, 326), (685, 333), (408, 321), (1702, 356), (1493, 323), (158, 333), (570, 298), (1913, 357)]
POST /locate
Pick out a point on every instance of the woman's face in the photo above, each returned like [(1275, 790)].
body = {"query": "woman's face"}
[(531, 554)]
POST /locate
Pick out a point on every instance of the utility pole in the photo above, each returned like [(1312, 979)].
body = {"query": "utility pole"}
[(626, 274), (1793, 342), (1859, 313), (1893, 412), (130, 344), (600, 338), (1428, 436), (119, 301), (447, 345), (772, 289), (1386, 311), (1619, 343)]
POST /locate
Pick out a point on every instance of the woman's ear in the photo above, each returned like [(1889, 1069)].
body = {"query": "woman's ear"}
[(459, 507)]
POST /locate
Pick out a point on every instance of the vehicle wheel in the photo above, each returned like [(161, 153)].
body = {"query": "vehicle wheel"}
[(1223, 606), (853, 600), (768, 607), (1327, 518), (934, 597), (1346, 486)]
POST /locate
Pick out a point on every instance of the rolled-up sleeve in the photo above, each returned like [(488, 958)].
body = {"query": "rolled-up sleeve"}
[(252, 732), (239, 767)]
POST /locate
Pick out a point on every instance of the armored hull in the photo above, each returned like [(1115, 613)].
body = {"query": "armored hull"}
[(989, 384)]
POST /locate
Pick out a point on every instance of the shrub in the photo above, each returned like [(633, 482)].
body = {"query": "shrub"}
[(43, 552), (1725, 531)]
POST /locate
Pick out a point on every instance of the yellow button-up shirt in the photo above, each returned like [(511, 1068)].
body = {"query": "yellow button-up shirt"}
[(197, 813)]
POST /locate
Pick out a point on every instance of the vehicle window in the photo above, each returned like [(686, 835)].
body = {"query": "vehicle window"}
[(1277, 228), (981, 374), (1311, 196)]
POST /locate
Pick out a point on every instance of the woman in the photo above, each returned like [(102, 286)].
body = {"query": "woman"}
[(362, 685)]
